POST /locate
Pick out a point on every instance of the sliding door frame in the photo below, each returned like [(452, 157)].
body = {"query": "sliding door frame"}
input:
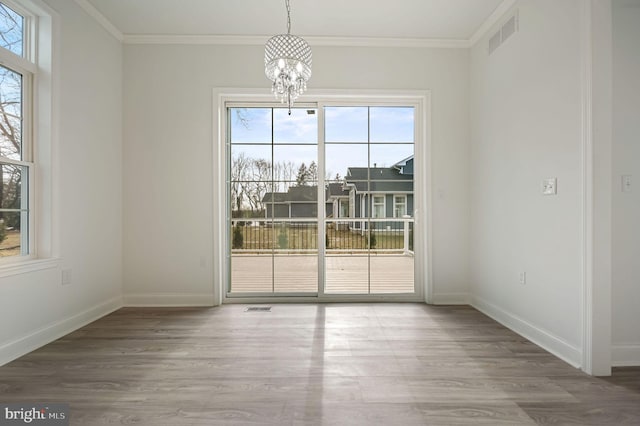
[(420, 100)]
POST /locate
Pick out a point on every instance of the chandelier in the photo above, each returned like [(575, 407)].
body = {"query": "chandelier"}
[(287, 63)]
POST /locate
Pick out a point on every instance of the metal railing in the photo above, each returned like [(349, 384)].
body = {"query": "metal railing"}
[(341, 235)]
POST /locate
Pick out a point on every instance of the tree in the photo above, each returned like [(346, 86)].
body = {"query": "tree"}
[(371, 240), (303, 175), (10, 126), (3, 230), (239, 166), (312, 172), (284, 172), (283, 239)]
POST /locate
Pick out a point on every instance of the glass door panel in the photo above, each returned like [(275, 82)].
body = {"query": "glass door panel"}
[(296, 258), (273, 192), (370, 151)]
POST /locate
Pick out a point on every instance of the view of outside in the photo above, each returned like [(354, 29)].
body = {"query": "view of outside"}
[(367, 194), (12, 171)]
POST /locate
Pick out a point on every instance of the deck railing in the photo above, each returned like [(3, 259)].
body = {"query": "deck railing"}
[(388, 235)]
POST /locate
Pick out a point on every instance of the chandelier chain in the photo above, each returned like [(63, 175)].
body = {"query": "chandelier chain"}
[(288, 16)]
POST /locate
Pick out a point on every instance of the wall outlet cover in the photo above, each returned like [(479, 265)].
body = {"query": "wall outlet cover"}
[(550, 186), (626, 183)]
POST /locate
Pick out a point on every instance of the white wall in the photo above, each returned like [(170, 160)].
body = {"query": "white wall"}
[(626, 161), (525, 127), (35, 307), (168, 154)]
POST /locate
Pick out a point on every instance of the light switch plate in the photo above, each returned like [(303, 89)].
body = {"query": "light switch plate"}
[(550, 186), (626, 183), (66, 276)]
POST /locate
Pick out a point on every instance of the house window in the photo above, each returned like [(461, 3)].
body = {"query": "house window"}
[(378, 206), (16, 162), (399, 205), (344, 208)]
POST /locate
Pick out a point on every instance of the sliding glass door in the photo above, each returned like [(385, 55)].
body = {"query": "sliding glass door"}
[(320, 202)]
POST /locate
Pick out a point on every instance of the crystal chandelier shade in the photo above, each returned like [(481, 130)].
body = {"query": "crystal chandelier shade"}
[(287, 63)]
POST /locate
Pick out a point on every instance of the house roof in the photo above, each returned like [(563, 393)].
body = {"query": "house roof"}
[(275, 197), (364, 179), (299, 194), (384, 186), (335, 189), (400, 164), (379, 179)]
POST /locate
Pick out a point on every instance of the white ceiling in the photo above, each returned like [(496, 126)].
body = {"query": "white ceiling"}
[(407, 19)]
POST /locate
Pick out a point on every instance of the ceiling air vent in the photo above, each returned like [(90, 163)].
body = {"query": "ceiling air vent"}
[(509, 28), (494, 42)]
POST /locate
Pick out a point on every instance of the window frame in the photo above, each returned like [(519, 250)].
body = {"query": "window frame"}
[(26, 67), (343, 202), (421, 99), (42, 31), (396, 197), (375, 204)]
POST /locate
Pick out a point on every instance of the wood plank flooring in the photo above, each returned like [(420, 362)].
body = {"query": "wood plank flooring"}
[(314, 364)]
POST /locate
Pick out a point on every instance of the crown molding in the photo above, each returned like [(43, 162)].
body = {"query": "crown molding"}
[(493, 19), (313, 41), (101, 19), (236, 40)]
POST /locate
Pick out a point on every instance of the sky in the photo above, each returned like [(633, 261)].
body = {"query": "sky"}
[(11, 38), (11, 30), (347, 134)]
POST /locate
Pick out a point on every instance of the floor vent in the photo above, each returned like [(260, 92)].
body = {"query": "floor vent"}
[(258, 309)]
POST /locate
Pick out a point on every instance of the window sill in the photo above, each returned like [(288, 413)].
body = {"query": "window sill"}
[(27, 266)]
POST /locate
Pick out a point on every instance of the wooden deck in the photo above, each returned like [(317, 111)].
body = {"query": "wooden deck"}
[(345, 274)]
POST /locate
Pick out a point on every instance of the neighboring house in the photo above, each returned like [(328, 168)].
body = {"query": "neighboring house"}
[(377, 192), (297, 202), (380, 192), (338, 196)]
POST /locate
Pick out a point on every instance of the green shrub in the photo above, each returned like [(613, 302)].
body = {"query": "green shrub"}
[(3, 230), (283, 239), (238, 238), (371, 240)]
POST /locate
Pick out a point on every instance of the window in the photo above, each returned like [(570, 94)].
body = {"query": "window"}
[(16, 162), (344, 208), (11, 30), (399, 205), (378, 206)]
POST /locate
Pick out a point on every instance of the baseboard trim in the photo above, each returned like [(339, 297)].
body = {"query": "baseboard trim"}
[(30, 342), (450, 299), (627, 355), (167, 300), (546, 340)]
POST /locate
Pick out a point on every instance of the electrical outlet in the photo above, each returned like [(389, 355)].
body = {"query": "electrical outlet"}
[(523, 277), (626, 183), (550, 186), (66, 276)]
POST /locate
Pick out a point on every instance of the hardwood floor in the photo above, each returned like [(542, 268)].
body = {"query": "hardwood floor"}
[(337, 364)]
